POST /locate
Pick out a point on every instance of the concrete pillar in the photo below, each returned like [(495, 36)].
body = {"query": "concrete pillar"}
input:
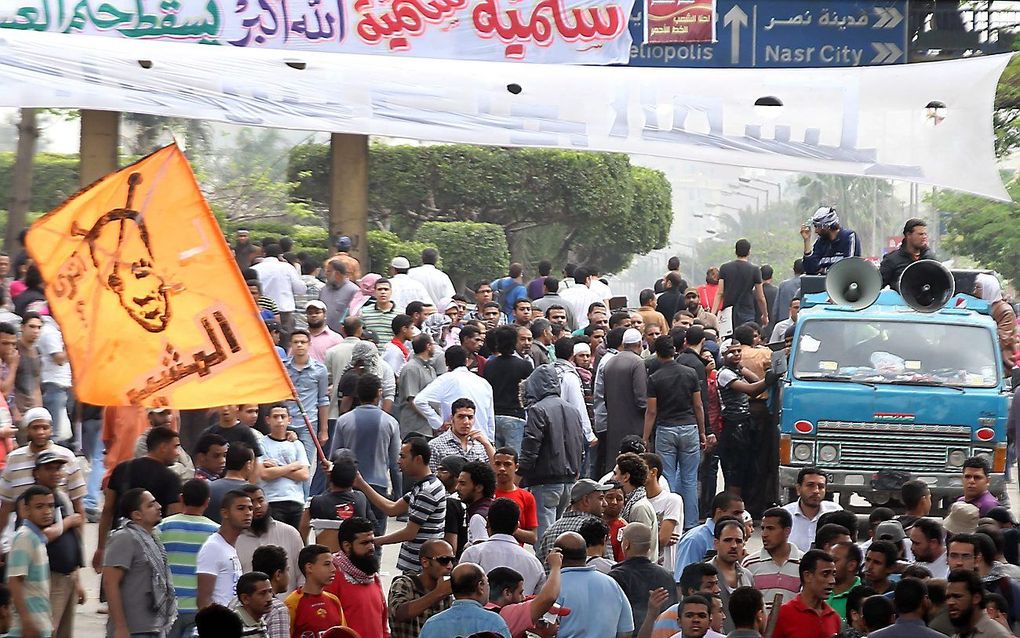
[(348, 190), (100, 138)]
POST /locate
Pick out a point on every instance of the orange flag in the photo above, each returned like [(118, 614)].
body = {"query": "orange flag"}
[(153, 309)]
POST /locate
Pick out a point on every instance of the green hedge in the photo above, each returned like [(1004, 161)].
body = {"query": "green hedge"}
[(383, 246), (54, 179), (469, 251)]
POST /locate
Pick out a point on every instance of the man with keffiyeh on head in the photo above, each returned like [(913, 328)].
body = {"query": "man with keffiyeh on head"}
[(136, 574)]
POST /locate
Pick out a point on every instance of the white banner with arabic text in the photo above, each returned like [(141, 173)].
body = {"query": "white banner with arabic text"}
[(872, 121)]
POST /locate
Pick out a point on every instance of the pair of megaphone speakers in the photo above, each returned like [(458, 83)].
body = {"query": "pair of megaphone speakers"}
[(925, 285)]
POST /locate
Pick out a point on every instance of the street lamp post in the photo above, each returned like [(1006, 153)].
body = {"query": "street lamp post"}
[(778, 185), (743, 184), (757, 202)]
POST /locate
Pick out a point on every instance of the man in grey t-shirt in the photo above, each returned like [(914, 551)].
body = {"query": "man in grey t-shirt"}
[(337, 293)]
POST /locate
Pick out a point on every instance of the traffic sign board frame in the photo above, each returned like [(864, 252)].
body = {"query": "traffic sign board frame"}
[(786, 34)]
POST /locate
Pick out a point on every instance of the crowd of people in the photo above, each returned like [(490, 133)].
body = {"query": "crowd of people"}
[(549, 455)]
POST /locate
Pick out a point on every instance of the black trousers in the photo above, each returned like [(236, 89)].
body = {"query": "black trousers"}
[(288, 512)]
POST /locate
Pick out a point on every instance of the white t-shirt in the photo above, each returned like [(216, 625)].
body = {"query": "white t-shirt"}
[(669, 507), (219, 558)]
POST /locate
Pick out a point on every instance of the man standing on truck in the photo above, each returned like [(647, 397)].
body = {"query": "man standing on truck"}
[(834, 244), (809, 506), (914, 247), (975, 485)]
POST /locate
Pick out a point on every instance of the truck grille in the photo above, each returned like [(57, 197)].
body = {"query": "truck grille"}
[(897, 446)]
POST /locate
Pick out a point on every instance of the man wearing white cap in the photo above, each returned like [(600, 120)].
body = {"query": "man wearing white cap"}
[(833, 245), (405, 289), (322, 338), (17, 475), (625, 392)]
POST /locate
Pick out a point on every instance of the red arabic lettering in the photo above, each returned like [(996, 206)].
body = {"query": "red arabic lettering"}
[(405, 18), (548, 19)]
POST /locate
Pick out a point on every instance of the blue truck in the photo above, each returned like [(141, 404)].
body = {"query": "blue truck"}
[(884, 394)]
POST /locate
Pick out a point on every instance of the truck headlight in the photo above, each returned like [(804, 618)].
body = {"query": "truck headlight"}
[(957, 457), (802, 452), (828, 453)]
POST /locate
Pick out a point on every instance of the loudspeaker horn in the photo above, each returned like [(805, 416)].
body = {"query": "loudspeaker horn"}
[(853, 283), (926, 285)]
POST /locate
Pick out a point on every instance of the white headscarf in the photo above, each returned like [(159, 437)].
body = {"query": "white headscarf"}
[(991, 290)]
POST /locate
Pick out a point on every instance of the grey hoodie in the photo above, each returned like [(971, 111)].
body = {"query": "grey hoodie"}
[(553, 435)]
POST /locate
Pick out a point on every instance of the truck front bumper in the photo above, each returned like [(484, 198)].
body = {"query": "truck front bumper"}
[(848, 481)]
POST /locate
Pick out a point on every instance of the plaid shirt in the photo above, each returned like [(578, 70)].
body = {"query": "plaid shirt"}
[(447, 444), (277, 620), (571, 521), (404, 589)]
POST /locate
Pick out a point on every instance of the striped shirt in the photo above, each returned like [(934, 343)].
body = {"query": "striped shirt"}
[(771, 579), (17, 475), (426, 507), (28, 559), (379, 323), (182, 536)]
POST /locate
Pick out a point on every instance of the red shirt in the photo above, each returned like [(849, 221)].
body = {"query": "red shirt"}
[(526, 501), (312, 614), (799, 621), (364, 605), (616, 537)]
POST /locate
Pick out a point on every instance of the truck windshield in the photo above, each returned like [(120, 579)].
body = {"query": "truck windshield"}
[(896, 352)]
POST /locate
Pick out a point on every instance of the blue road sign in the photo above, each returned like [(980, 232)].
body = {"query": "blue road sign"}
[(787, 33)]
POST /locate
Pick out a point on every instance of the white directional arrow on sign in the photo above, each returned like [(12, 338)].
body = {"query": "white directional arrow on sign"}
[(886, 53), (888, 17), (735, 18)]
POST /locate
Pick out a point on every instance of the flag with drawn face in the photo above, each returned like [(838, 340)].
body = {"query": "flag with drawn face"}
[(152, 307)]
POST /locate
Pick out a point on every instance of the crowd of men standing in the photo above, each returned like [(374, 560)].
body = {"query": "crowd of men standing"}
[(550, 457)]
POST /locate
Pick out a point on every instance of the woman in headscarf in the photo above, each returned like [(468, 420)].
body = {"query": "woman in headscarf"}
[(987, 287), (365, 359), (365, 294)]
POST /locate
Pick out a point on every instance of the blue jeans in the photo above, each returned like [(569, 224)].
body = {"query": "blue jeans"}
[(552, 500), (509, 432), (680, 449), (54, 399), (92, 445), (183, 627), (305, 437)]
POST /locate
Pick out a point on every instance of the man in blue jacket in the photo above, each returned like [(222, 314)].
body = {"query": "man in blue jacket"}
[(834, 244)]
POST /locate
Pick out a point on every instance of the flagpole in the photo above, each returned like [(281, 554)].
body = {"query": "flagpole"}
[(308, 422)]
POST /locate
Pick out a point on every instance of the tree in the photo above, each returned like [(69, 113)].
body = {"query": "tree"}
[(468, 249), (146, 131), (601, 209), (984, 229), (21, 177)]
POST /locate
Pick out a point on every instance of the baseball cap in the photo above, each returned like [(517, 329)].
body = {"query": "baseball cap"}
[(453, 464), (36, 414), (400, 263), (631, 336), (343, 243), (315, 303), (49, 457), (727, 344), (584, 487), (273, 326), (691, 293), (890, 531)]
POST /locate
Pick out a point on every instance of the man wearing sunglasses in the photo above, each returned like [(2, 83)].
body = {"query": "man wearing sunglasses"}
[(414, 598)]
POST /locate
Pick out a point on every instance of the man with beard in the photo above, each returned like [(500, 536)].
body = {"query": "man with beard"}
[(417, 595), (692, 304), (322, 337), (927, 543), (964, 602), (809, 506), (808, 614), (265, 530), (914, 247), (357, 581), (218, 566), (476, 486)]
